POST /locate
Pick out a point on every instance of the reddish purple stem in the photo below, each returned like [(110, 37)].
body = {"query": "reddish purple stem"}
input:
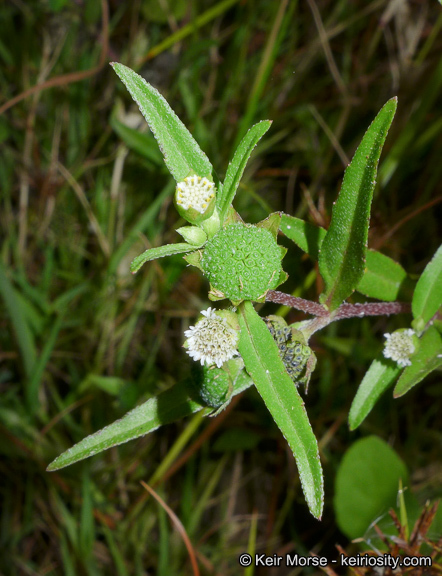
[(344, 311)]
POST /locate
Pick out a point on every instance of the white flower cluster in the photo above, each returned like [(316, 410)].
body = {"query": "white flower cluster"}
[(211, 340), (400, 346), (195, 192)]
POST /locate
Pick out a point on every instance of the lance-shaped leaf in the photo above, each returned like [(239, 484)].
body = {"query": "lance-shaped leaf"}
[(427, 298), (238, 164), (342, 256), (181, 152), (160, 252), (427, 358), (381, 374), (165, 408), (384, 278), (262, 361)]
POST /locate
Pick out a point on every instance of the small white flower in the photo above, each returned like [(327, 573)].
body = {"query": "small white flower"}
[(400, 346), (211, 340), (194, 192)]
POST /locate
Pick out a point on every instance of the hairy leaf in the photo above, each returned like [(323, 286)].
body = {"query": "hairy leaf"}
[(160, 252), (165, 408), (181, 152), (427, 298), (381, 374), (427, 358), (342, 255), (384, 278), (238, 164), (262, 361)]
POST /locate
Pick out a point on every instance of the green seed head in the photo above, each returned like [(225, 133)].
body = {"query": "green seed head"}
[(212, 385), (242, 262)]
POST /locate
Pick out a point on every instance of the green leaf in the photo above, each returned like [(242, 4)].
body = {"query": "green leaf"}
[(307, 236), (427, 358), (160, 252), (381, 374), (238, 164), (181, 152), (427, 298), (367, 482), (342, 256), (262, 361), (165, 408), (384, 278)]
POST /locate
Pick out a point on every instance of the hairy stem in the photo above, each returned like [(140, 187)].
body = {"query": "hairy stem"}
[(346, 310)]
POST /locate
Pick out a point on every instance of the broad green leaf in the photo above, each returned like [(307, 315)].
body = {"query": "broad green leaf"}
[(427, 358), (181, 152), (238, 164), (367, 482), (342, 255), (262, 361), (165, 408), (384, 278), (160, 252), (381, 374), (427, 298)]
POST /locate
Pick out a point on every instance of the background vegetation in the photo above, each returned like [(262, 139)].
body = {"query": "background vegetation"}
[(83, 189)]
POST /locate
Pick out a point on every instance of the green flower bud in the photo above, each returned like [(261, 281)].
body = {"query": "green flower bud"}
[(193, 235), (213, 385)]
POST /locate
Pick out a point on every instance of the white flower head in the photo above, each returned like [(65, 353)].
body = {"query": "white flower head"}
[(400, 345), (212, 340), (195, 192)]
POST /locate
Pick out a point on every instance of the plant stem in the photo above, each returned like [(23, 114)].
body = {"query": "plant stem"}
[(346, 310)]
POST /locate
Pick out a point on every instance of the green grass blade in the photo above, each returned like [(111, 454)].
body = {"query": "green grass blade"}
[(143, 223), (238, 164), (165, 408), (181, 152), (381, 374), (342, 256), (141, 143), (262, 361), (427, 298), (427, 358), (160, 252), (23, 334), (384, 278), (41, 363)]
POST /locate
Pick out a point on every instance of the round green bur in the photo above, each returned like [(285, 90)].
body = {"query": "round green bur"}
[(242, 262)]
